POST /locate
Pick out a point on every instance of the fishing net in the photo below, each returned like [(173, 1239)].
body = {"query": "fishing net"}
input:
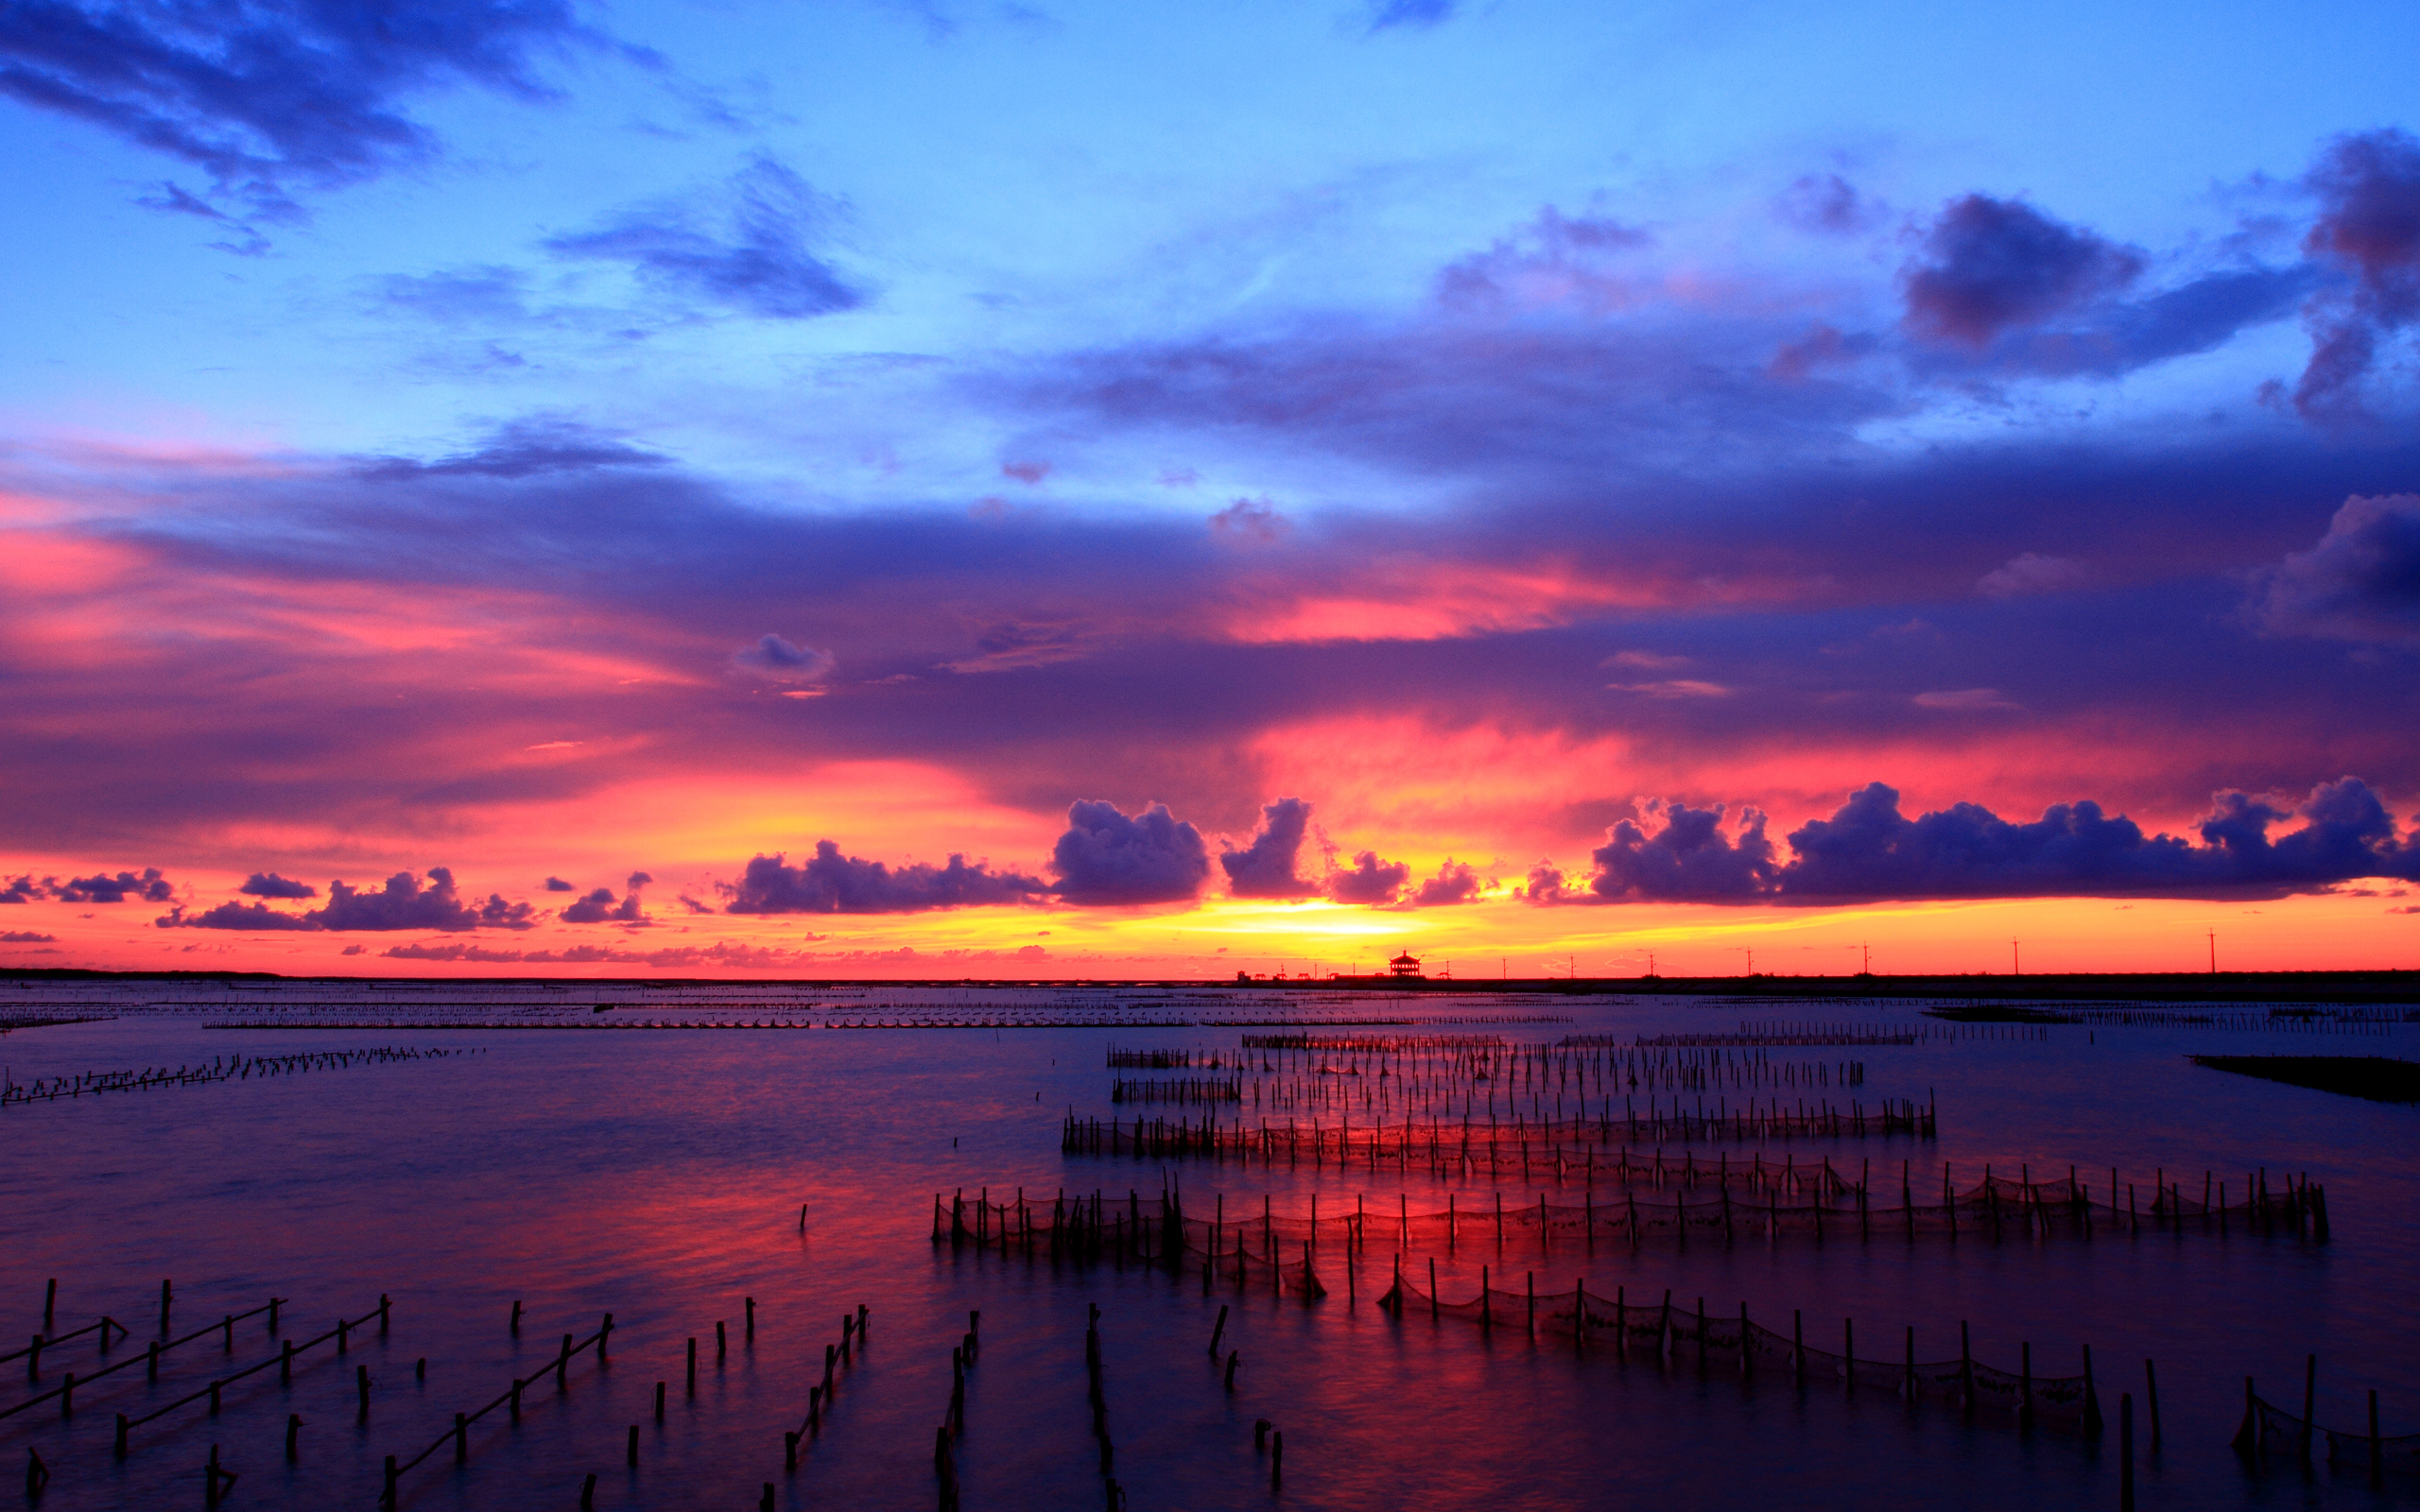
[(1153, 1232), (1736, 1345), (1438, 1141), (2268, 1427), (1176, 1089)]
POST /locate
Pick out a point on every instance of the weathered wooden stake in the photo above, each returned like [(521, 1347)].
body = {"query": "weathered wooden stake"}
[(2126, 1451), (2151, 1400)]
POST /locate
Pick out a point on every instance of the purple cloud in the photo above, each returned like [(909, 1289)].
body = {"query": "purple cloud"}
[(783, 661), (262, 94), (748, 245), (269, 885), (1869, 850), (2368, 230), (833, 884), (1690, 858), (1417, 14), (1266, 869), (101, 888), (234, 916), (1455, 882), (2361, 582), (1370, 881), (1108, 859), (404, 903), (1992, 266)]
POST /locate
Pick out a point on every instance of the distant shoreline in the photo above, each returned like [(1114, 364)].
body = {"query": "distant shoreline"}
[(2178, 987)]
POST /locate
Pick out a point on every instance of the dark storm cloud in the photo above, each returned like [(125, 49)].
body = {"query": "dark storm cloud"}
[(1107, 859), (270, 96), (1370, 881), (269, 885), (404, 903), (1266, 869), (750, 246), (2361, 582), (2368, 230), (835, 884)]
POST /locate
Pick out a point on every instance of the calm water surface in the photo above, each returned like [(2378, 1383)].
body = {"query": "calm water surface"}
[(658, 1175)]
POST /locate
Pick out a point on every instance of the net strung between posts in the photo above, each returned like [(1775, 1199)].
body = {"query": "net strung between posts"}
[(1255, 1255), (2266, 1425), (1176, 1089), (1759, 1199), (1735, 1345), (1374, 1043), (1437, 1142)]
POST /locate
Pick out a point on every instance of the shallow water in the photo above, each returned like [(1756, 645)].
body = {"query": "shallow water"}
[(658, 1175)]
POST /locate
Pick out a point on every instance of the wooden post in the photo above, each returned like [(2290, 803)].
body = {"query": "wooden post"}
[(2151, 1400), (461, 1438), (693, 1363), (2126, 1451), (517, 1319), (361, 1388), (2309, 1401), (1798, 1347), (1965, 1365), (2377, 1457)]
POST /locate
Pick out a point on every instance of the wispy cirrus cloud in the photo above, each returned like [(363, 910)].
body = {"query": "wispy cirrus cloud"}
[(270, 100), (753, 243)]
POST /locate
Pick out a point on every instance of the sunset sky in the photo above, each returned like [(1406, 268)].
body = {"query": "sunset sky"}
[(936, 489)]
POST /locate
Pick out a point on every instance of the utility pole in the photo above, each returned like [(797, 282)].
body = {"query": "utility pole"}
[(1751, 951), (2214, 953), (2016, 966)]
